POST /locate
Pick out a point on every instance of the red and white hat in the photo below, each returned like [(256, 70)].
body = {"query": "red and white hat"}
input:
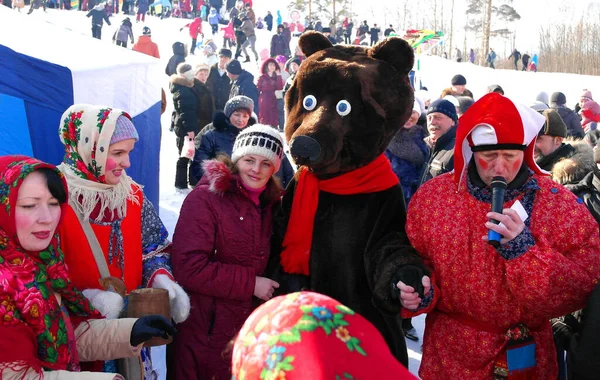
[(495, 122)]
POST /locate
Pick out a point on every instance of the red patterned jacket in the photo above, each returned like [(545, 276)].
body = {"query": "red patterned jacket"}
[(478, 294)]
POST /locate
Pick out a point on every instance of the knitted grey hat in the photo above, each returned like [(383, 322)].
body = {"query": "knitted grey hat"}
[(261, 140), (238, 102)]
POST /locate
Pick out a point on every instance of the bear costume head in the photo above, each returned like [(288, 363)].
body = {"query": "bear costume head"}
[(347, 103)]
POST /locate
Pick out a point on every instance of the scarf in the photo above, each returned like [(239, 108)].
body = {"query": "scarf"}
[(376, 176), (29, 311), (308, 335), (85, 131), (405, 146)]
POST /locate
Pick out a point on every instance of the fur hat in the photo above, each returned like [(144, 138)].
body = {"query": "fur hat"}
[(445, 107), (185, 70), (238, 102), (458, 80), (558, 98), (234, 67), (202, 66), (571, 170), (259, 139), (554, 125), (124, 130), (495, 122)]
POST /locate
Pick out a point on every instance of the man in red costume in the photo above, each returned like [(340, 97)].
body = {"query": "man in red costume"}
[(489, 307)]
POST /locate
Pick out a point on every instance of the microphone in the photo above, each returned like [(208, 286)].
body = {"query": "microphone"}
[(498, 187)]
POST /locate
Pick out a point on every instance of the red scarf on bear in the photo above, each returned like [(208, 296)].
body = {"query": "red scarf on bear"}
[(374, 177)]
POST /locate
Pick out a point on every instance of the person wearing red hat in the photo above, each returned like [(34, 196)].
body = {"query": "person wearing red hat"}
[(308, 335), (489, 305)]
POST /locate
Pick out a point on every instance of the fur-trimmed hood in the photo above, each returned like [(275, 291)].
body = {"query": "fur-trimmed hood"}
[(263, 67), (219, 178), (573, 169), (180, 80)]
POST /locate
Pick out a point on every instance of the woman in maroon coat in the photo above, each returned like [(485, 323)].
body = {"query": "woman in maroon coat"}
[(268, 83), (220, 250)]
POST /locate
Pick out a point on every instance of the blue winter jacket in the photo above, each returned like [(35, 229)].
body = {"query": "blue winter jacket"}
[(219, 137), (409, 168), (244, 85)]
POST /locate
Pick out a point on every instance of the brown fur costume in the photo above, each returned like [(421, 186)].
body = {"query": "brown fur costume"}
[(358, 240)]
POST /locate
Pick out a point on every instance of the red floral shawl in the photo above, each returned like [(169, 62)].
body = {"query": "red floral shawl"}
[(308, 335), (36, 332)]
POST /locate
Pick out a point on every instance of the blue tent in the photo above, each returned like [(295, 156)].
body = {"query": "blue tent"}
[(46, 68)]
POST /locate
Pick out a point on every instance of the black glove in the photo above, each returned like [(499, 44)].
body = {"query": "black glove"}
[(149, 327), (563, 329), (411, 275)]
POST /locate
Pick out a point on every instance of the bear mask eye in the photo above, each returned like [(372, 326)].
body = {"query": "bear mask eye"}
[(343, 107), (309, 102)]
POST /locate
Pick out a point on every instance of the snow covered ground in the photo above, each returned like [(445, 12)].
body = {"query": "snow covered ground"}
[(435, 74)]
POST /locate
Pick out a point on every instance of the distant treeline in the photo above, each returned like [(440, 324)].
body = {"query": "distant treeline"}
[(571, 48)]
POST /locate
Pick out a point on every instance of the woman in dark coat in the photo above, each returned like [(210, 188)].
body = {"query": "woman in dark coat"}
[(279, 45), (221, 247), (185, 102), (269, 82), (142, 10)]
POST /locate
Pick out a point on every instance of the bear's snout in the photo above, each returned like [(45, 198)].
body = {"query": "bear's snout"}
[(305, 150)]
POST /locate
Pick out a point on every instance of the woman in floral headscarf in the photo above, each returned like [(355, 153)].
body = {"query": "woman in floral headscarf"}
[(132, 238), (45, 322), (308, 335)]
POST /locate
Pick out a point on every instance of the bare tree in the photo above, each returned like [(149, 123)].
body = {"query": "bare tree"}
[(487, 21), (451, 26)]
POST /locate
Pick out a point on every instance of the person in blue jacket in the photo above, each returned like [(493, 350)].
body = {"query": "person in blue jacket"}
[(408, 153), (219, 137)]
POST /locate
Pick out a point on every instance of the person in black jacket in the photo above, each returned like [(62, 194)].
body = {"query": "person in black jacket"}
[(269, 22), (516, 56), (525, 59), (577, 333), (179, 54), (242, 83), (549, 146), (389, 31), (186, 117), (442, 122), (278, 44), (98, 15), (572, 121), (219, 136), (218, 82), (374, 34)]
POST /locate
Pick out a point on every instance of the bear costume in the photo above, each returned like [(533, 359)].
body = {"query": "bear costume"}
[(343, 216)]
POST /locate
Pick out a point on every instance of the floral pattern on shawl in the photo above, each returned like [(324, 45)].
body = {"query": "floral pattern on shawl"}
[(28, 280), (261, 350), (76, 139)]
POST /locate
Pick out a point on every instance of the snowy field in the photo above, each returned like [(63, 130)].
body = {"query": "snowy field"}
[(435, 74)]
